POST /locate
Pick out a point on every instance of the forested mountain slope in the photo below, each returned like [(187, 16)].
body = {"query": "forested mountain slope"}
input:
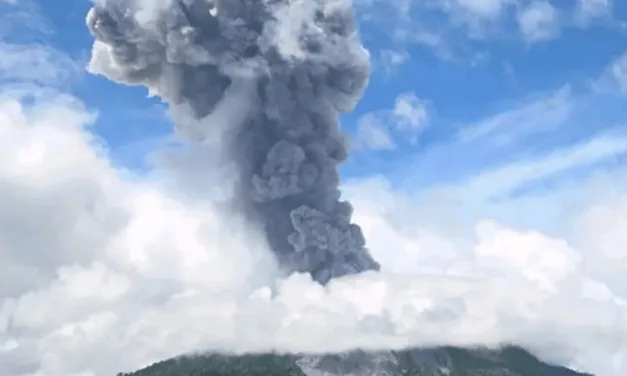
[(447, 361)]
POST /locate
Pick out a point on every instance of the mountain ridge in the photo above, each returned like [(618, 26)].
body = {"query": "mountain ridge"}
[(443, 361)]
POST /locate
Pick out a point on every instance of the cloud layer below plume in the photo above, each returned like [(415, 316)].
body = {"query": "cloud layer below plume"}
[(137, 273)]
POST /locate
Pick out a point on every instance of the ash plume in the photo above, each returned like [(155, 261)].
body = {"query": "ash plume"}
[(301, 64)]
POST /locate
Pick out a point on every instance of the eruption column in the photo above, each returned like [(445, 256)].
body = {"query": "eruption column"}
[(302, 64)]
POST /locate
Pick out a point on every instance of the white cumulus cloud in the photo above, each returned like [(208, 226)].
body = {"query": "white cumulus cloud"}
[(383, 129), (539, 21)]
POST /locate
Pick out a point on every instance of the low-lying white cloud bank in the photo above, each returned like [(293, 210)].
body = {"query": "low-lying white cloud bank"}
[(103, 271)]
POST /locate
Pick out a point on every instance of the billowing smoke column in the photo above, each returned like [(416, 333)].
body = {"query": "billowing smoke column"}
[(304, 65)]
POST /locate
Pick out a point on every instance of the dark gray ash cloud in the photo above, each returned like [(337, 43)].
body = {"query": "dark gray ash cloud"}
[(301, 64)]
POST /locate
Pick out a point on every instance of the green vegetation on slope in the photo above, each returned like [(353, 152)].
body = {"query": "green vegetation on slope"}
[(222, 365), (510, 361)]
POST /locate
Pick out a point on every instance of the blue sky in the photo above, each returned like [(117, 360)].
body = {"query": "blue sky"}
[(458, 88), (491, 143)]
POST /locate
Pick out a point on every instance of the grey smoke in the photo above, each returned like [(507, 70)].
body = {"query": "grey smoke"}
[(303, 64)]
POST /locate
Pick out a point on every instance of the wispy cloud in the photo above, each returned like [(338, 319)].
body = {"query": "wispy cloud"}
[(440, 26), (538, 115), (588, 11), (481, 19), (37, 63), (17, 16), (373, 134), (453, 29), (391, 60), (528, 142), (504, 180), (482, 8), (26, 58), (614, 77)]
